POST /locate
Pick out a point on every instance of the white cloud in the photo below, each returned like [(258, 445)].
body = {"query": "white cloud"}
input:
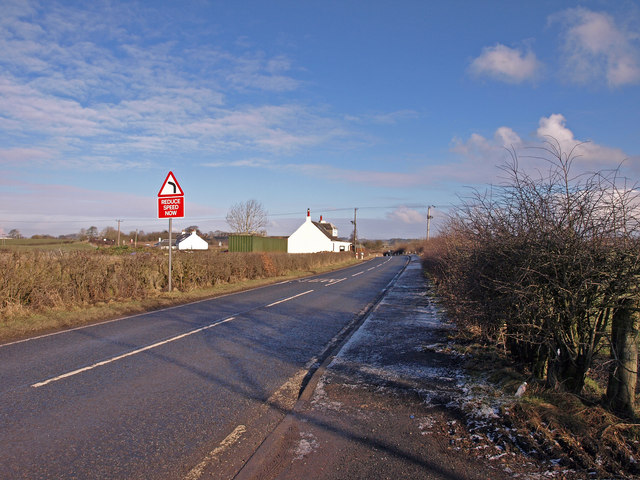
[(407, 215), (506, 64), (479, 147), (596, 48), (553, 128), (481, 155)]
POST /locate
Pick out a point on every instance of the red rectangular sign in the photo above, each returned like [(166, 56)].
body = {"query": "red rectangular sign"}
[(170, 207)]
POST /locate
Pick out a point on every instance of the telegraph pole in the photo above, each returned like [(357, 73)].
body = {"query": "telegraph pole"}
[(355, 232), (429, 217), (118, 244)]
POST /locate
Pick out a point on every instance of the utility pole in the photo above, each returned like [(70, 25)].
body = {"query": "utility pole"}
[(429, 217), (355, 232), (118, 244)]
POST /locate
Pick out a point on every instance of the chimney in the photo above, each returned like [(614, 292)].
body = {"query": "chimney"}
[(320, 218)]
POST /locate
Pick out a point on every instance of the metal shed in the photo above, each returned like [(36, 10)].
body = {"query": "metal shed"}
[(254, 243)]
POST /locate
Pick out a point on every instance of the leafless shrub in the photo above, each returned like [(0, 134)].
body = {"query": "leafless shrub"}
[(543, 263)]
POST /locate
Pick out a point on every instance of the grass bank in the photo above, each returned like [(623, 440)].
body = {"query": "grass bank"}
[(573, 434), (42, 292)]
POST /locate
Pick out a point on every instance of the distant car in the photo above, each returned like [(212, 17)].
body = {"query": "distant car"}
[(387, 253)]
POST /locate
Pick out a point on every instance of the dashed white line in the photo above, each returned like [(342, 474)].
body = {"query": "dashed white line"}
[(128, 354), (356, 274), (290, 298), (335, 281)]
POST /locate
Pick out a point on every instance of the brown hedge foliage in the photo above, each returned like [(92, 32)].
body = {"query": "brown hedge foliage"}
[(35, 280)]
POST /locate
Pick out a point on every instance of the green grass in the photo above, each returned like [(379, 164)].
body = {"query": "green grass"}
[(22, 244)]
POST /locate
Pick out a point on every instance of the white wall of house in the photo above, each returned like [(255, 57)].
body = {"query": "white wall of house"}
[(310, 239), (193, 242)]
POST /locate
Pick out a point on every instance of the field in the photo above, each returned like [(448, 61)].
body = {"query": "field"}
[(43, 244)]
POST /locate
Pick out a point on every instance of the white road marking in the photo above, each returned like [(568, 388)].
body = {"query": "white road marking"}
[(128, 354), (290, 298), (356, 274), (197, 471), (333, 282), (86, 327), (369, 269)]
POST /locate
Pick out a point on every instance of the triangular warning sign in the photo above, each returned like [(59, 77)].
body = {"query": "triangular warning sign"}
[(170, 187)]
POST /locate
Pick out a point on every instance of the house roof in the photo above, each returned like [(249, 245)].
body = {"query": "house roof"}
[(181, 237), (326, 228)]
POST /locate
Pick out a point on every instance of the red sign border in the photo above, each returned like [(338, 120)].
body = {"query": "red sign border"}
[(170, 174)]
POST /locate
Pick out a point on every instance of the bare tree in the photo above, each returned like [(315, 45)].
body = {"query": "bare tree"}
[(249, 218)]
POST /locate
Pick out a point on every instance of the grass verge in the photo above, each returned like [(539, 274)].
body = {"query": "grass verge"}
[(573, 435)]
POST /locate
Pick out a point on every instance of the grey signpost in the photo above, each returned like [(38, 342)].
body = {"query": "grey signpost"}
[(170, 205)]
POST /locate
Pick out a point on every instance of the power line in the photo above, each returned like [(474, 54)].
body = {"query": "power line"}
[(88, 220)]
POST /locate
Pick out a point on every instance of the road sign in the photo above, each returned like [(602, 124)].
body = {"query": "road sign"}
[(170, 207), (170, 199), (170, 187)]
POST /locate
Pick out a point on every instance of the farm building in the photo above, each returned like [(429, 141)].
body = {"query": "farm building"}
[(192, 241), (311, 237)]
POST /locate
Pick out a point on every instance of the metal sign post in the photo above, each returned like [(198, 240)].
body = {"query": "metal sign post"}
[(170, 205), (170, 250)]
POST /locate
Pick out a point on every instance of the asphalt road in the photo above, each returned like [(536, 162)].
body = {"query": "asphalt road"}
[(170, 393)]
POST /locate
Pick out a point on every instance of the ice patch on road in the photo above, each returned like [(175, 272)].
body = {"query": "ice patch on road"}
[(306, 445)]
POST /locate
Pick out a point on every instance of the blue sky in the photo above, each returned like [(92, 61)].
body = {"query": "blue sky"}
[(384, 106)]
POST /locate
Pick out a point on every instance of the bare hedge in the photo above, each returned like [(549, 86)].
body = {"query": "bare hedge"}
[(36, 280), (549, 265)]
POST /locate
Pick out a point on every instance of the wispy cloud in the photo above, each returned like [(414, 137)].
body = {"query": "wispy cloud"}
[(506, 64), (61, 209), (61, 89), (384, 118), (595, 48)]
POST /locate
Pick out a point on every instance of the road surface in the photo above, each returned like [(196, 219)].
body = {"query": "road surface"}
[(169, 393)]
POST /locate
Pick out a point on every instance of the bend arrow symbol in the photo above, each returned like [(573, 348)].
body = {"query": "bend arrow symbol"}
[(175, 189)]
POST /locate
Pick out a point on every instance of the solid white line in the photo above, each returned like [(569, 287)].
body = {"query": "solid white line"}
[(197, 471), (129, 354), (337, 281), (287, 299), (356, 274)]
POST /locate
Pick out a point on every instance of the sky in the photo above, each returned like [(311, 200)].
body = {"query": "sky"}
[(385, 106)]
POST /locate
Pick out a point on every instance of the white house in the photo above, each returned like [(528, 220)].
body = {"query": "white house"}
[(311, 237), (185, 241)]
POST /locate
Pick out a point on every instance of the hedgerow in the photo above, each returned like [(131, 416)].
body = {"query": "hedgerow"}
[(37, 280)]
